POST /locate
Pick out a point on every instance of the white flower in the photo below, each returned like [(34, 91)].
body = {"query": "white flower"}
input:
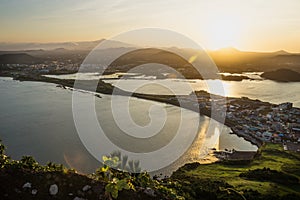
[(53, 190), (86, 188), (78, 198), (34, 191), (27, 185)]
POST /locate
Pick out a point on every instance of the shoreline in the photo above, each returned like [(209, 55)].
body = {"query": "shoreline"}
[(106, 88), (240, 125)]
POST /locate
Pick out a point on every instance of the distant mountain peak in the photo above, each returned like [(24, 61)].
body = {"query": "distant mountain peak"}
[(282, 52), (228, 50), (17, 58), (60, 49)]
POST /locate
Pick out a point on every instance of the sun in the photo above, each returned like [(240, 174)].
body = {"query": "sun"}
[(224, 31)]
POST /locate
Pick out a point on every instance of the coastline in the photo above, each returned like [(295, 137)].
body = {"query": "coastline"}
[(106, 88), (247, 118), (225, 168)]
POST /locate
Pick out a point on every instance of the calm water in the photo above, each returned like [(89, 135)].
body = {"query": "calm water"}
[(36, 119), (264, 90)]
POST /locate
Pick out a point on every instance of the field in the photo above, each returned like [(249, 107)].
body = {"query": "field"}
[(269, 173)]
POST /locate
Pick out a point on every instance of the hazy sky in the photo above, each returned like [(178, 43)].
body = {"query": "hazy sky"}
[(260, 25)]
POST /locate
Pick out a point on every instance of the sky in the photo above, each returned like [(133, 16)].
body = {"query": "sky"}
[(256, 25)]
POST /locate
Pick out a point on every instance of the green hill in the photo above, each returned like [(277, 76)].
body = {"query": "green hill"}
[(273, 174)]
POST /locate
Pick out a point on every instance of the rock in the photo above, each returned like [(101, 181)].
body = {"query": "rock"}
[(48, 176), (53, 190), (98, 187), (17, 190), (27, 185), (34, 191), (70, 194), (57, 179), (78, 198), (190, 166), (80, 193), (86, 188), (149, 192)]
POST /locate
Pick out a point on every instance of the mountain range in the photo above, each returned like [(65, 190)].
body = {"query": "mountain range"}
[(227, 59)]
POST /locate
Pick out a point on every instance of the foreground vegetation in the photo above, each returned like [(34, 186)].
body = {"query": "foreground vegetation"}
[(274, 174), (27, 179)]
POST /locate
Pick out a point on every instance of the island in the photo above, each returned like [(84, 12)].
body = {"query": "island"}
[(234, 77), (282, 75)]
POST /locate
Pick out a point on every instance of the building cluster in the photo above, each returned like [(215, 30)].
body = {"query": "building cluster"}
[(42, 68), (277, 123), (257, 120)]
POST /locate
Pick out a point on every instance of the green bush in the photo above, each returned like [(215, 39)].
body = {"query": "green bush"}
[(267, 174)]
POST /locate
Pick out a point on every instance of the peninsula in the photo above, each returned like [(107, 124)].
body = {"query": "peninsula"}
[(254, 120)]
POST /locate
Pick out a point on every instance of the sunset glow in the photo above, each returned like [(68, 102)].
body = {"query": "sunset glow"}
[(224, 31), (250, 25)]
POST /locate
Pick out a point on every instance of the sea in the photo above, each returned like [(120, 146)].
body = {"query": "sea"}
[(37, 119)]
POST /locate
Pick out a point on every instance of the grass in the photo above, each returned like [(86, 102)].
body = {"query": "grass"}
[(273, 174), (272, 156)]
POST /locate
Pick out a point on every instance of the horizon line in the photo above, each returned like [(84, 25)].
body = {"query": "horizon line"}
[(80, 41)]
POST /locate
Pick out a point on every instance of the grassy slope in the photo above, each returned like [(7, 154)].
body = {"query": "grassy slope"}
[(193, 181), (272, 156)]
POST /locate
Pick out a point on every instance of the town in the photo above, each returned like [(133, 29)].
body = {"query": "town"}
[(259, 121), (53, 67), (254, 120)]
